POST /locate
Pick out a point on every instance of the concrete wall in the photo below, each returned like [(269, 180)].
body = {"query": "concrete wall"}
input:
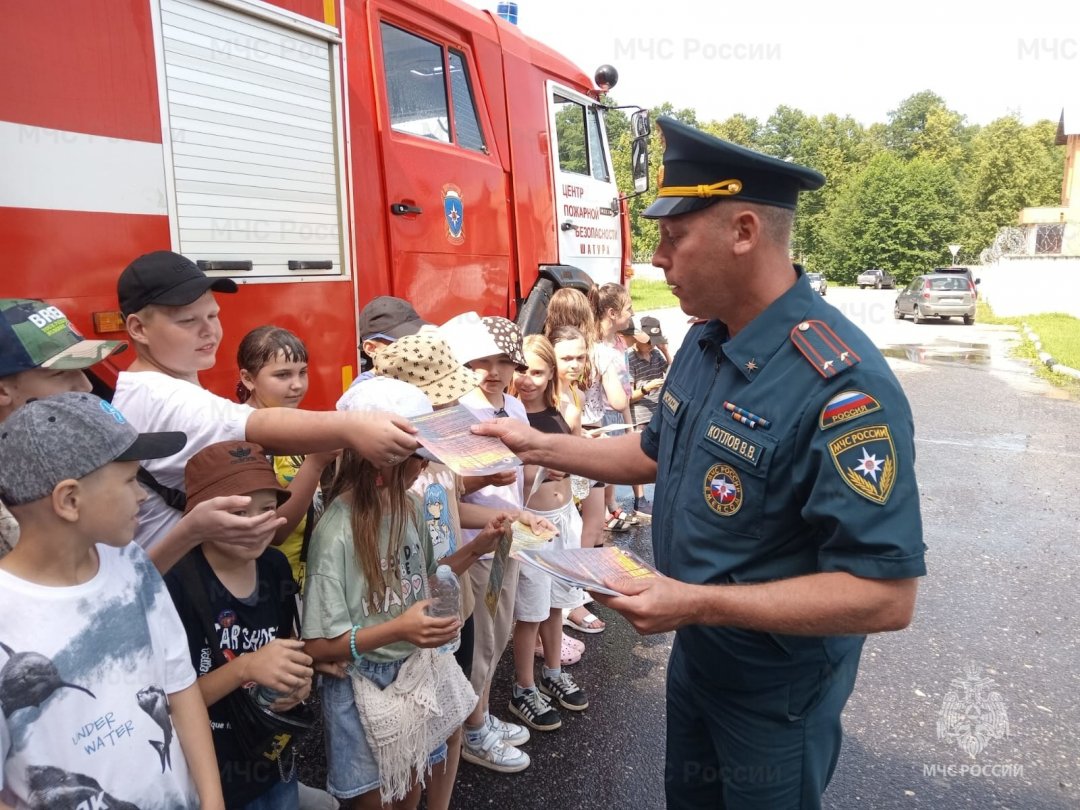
[(1030, 285)]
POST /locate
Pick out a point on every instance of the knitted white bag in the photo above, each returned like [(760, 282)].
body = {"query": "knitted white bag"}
[(410, 718)]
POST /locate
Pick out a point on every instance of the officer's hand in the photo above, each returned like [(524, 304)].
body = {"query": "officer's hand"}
[(519, 437), (652, 605)]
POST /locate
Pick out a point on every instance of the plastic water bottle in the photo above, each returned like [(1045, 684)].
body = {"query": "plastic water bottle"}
[(446, 596), (265, 696)]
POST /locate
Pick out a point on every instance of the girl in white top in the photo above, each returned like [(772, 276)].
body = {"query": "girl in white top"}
[(540, 600)]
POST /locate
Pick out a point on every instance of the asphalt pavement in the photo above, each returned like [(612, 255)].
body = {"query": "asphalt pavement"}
[(994, 646)]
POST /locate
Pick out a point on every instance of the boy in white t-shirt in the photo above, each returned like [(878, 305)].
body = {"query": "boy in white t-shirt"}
[(98, 702), (42, 354), (172, 319)]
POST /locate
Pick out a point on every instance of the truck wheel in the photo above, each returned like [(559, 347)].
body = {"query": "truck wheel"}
[(533, 312)]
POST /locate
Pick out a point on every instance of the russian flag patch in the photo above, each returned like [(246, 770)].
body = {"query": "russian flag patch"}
[(845, 406)]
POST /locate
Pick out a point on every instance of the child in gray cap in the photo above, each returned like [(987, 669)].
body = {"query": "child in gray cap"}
[(94, 660)]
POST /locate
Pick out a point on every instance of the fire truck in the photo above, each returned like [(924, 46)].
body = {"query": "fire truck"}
[(319, 152)]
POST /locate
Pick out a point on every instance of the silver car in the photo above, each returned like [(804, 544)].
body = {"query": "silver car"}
[(817, 282), (942, 296)]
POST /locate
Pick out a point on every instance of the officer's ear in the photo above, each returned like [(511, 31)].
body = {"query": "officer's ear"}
[(746, 228)]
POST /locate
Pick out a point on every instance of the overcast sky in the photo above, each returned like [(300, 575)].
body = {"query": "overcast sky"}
[(833, 56)]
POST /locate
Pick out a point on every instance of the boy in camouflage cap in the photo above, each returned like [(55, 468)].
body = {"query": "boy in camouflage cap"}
[(41, 354)]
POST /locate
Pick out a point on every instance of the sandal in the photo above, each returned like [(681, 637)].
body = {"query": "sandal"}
[(621, 514), (589, 623), (615, 524), (569, 654)]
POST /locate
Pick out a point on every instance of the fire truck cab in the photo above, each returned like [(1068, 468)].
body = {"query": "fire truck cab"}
[(319, 152)]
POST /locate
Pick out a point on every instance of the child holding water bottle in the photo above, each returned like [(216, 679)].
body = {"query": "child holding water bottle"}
[(367, 605)]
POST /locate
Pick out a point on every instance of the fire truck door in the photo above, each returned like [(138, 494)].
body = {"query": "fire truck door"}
[(586, 197), (446, 193)]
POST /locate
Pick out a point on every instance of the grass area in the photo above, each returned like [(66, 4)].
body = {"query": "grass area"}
[(648, 295), (1060, 336)]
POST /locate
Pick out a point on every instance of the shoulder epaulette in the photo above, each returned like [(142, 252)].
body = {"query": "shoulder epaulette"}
[(822, 348)]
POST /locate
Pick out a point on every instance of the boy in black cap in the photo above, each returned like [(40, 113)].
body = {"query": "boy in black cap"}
[(786, 526), (172, 319), (382, 321), (41, 355), (647, 362), (96, 690)]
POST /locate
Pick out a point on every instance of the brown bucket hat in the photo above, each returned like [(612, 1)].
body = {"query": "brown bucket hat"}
[(229, 468)]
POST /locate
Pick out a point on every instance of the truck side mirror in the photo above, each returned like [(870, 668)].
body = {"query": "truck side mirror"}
[(639, 160), (639, 124)]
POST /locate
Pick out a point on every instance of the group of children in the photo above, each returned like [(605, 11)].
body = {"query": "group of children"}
[(258, 512)]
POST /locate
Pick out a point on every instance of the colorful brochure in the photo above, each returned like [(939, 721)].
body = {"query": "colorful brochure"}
[(526, 538), (447, 435), (594, 569)]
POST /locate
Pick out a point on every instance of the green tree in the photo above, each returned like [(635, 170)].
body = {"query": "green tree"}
[(1011, 167), (897, 215), (739, 128), (645, 235), (837, 147), (908, 122), (943, 137)]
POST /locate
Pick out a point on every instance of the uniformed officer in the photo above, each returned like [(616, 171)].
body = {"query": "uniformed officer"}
[(786, 517)]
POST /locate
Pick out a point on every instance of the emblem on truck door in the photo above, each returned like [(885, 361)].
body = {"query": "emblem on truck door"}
[(454, 211)]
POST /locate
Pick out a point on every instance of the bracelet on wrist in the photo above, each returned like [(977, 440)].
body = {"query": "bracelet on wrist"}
[(352, 643)]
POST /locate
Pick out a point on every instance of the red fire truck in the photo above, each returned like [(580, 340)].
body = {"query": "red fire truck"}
[(319, 152)]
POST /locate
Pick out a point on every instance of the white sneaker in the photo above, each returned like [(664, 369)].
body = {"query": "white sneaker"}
[(492, 753), (509, 733)]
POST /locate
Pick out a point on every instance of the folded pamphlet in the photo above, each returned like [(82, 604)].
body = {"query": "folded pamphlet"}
[(498, 569), (446, 433), (594, 569), (526, 538)]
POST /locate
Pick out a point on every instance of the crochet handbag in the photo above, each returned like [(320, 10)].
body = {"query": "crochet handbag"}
[(410, 718), (261, 734)]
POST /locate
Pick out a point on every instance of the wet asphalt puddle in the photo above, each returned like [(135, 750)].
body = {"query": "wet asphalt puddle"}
[(942, 351)]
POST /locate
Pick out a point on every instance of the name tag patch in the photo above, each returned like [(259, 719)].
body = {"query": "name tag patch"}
[(734, 443), (845, 406), (671, 402)]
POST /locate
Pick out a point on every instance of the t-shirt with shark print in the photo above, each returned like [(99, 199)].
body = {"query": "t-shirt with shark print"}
[(85, 674)]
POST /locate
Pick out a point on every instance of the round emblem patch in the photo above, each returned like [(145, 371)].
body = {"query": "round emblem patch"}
[(723, 489)]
